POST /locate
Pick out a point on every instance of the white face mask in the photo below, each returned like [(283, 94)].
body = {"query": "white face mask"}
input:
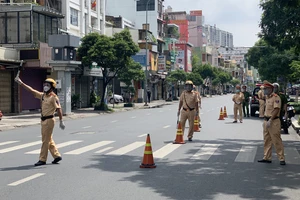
[(46, 88)]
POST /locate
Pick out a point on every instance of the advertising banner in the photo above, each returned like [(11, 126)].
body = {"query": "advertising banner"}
[(161, 63), (180, 60), (189, 60)]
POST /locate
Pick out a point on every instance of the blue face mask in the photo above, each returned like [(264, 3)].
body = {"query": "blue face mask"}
[(238, 91)]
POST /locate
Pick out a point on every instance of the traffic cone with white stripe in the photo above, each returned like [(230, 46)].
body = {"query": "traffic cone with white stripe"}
[(221, 117), (196, 124), (225, 112), (148, 161), (179, 135)]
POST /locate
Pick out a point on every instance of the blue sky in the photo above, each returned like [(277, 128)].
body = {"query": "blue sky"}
[(240, 17)]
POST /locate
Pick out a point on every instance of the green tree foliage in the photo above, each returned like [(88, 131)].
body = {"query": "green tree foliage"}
[(235, 82), (196, 78), (280, 23), (112, 54), (175, 76)]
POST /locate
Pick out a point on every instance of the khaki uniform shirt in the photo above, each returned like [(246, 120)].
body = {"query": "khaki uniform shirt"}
[(49, 102), (189, 98), (238, 98), (272, 102), (261, 95)]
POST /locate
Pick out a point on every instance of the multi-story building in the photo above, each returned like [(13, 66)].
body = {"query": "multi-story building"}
[(217, 37)]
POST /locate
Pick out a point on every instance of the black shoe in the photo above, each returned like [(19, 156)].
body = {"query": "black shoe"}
[(56, 160), (282, 162), (248, 116), (200, 126), (190, 139), (39, 163), (264, 161), (234, 122)]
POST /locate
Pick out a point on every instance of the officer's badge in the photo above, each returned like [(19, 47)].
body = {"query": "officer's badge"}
[(277, 101)]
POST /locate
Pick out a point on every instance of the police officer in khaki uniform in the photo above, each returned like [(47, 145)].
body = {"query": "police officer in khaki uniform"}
[(272, 126), (49, 104), (238, 99), (190, 108), (261, 99), (199, 104)]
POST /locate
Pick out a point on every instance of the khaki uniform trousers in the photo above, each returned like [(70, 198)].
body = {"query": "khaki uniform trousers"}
[(47, 141), (190, 115), (237, 108), (261, 108), (272, 136)]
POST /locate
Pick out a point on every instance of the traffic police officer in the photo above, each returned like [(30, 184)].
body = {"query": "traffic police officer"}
[(49, 104), (199, 103), (283, 107), (246, 101), (189, 103), (238, 99), (261, 100), (272, 126)]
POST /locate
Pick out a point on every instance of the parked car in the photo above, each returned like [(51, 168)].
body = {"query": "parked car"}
[(254, 103), (115, 99)]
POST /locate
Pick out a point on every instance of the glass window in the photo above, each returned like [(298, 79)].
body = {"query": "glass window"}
[(141, 5), (74, 17), (48, 27), (12, 27), (2, 30), (54, 26), (35, 26), (42, 29), (24, 27)]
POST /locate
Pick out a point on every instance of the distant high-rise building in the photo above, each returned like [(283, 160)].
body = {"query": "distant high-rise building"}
[(217, 37)]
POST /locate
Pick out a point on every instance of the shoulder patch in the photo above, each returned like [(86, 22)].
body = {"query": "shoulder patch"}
[(276, 101)]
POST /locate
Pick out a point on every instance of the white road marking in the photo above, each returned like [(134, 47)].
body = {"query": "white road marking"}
[(133, 117), (165, 150), (148, 114), (105, 149), (8, 142), (212, 109), (143, 135), (114, 121), (37, 151), (201, 113), (88, 148), (20, 147), (206, 152), (291, 155), (246, 154), (161, 111), (26, 179), (126, 149), (167, 126), (86, 127)]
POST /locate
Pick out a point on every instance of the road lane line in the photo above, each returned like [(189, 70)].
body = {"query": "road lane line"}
[(114, 121), (133, 117), (20, 147), (26, 179), (143, 135), (205, 152), (8, 142), (292, 156), (148, 114), (126, 149), (246, 154), (89, 148), (165, 150), (86, 127), (105, 149), (37, 151), (167, 126)]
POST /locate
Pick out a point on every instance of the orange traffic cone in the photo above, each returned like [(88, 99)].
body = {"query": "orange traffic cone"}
[(221, 115), (179, 135), (225, 112), (148, 161), (196, 124)]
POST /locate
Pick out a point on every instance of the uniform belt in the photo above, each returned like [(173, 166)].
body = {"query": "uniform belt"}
[(267, 118), (186, 109), (43, 118)]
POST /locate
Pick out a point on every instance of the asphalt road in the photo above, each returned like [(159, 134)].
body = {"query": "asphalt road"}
[(101, 158)]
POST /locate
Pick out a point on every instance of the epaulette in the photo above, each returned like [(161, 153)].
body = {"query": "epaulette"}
[(275, 95)]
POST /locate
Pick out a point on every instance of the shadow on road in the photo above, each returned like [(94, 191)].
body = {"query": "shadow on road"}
[(24, 167)]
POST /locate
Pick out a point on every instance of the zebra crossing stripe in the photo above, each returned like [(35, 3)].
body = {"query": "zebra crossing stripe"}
[(88, 148), (292, 156), (105, 149), (165, 150), (126, 149), (205, 152), (8, 142), (37, 151), (246, 154), (20, 147)]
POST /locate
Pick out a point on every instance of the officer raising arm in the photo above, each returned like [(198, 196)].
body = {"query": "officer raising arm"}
[(49, 104)]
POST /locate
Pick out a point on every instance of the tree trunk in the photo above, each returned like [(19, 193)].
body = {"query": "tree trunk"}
[(103, 105)]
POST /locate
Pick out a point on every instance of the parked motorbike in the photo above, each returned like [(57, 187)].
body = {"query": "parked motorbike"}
[(287, 122)]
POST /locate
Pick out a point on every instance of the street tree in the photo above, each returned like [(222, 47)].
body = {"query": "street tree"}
[(175, 77), (235, 82), (112, 55), (195, 78)]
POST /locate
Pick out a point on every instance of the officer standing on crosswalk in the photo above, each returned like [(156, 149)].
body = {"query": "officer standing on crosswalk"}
[(272, 126), (49, 104), (190, 108)]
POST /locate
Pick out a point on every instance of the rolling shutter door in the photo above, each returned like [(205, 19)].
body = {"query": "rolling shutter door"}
[(5, 91)]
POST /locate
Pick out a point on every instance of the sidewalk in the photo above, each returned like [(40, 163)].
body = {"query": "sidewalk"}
[(28, 119)]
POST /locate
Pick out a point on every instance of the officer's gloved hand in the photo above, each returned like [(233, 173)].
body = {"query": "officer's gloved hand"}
[(62, 125), (269, 123), (18, 80)]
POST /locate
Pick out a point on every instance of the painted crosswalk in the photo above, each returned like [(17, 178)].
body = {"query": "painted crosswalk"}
[(239, 153)]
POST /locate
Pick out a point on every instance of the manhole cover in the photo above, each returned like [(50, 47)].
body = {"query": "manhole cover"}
[(84, 133)]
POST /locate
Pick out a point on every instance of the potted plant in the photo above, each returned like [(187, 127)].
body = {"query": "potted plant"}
[(131, 92), (75, 98)]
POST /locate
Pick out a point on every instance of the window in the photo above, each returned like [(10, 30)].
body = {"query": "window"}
[(12, 27), (2, 30), (48, 27), (24, 27), (54, 26), (42, 28), (146, 26), (142, 4), (74, 17), (35, 26)]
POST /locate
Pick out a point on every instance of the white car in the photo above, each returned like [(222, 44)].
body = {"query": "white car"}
[(116, 99)]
